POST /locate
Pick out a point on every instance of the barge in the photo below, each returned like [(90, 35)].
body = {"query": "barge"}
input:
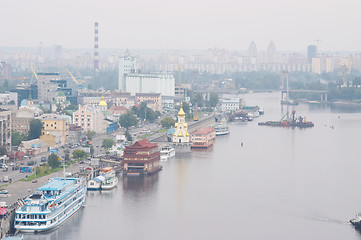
[(293, 122)]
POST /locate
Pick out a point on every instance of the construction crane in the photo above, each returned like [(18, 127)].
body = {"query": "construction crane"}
[(35, 74), (79, 83)]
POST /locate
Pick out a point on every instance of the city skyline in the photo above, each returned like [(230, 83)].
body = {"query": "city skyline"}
[(162, 24)]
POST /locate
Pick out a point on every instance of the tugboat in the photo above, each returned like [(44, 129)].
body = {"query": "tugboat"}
[(293, 122)]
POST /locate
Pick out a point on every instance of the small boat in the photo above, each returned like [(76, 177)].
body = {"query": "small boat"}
[(110, 180), (50, 205), (356, 221), (166, 153), (95, 183)]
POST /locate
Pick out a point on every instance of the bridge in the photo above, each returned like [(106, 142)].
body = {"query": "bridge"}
[(323, 93)]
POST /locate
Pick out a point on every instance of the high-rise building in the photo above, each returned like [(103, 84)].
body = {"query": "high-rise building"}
[(252, 53), (96, 47), (271, 50), (311, 52), (127, 64), (5, 128), (47, 86)]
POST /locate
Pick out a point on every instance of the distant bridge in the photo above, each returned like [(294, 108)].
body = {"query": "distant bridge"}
[(323, 93)]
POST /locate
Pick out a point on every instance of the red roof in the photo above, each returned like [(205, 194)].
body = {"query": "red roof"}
[(144, 143), (203, 131), (118, 108)]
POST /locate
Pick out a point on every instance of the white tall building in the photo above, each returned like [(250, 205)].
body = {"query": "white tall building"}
[(150, 83), (127, 64)]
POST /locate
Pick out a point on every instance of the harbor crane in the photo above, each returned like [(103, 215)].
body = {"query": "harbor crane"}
[(80, 83)]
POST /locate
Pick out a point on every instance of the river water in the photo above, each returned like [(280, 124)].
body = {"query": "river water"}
[(281, 184)]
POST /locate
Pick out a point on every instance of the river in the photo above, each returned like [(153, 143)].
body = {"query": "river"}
[(281, 184)]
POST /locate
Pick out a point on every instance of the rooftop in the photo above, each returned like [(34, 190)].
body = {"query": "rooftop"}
[(203, 131), (56, 184)]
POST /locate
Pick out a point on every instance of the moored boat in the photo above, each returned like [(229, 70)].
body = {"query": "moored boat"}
[(167, 152), (222, 128), (50, 205), (110, 180)]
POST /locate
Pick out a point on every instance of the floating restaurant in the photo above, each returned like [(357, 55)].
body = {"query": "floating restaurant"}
[(203, 138), (141, 158)]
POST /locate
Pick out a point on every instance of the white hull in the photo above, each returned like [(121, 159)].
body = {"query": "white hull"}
[(66, 206), (110, 185), (222, 133), (167, 153), (93, 185)]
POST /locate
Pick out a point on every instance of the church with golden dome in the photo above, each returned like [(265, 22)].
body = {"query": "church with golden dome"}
[(180, 138)]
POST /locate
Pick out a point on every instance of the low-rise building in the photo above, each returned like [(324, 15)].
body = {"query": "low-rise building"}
[(90, 119), (153, 100), (20, 120), (230, 104), (57, 125), (33, 147)]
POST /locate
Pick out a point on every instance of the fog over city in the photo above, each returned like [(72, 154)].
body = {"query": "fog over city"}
[(164, 24)]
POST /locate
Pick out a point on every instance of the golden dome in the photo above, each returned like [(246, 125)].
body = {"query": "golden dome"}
[(181, 112), (102, 103)]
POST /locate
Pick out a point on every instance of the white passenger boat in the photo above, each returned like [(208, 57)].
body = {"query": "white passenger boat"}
[(50, 205), (222, 128), (166, 153), (110, 180)]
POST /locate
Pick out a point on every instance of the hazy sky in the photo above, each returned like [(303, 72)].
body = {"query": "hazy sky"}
[(183, 24)]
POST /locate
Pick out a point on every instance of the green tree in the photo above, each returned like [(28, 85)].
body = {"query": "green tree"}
[(128, 136), (3, 150), (107, 143), (127, 120), (91, 150), (78, 153), (213, 99), (167, 122), (17, 138), (197, 99), (89, 135), (53, 161), (36, 127)]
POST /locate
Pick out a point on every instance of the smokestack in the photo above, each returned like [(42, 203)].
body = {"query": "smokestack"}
[(96, 48)]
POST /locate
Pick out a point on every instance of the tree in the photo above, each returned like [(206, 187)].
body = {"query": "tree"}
[(53, 161), (128, 136), (78, 153), (3, 150), (91, 150), (127, 120), (17, 138), (107, 143), (213, 99), (167, 122), (197, 99), (89, 135), (36, 127)]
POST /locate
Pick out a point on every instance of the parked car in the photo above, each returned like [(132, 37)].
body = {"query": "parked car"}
[(34, 181), (30, 163), (43, 159), (4, 191)]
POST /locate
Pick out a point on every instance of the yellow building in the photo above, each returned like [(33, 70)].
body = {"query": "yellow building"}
[(57, 125)]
